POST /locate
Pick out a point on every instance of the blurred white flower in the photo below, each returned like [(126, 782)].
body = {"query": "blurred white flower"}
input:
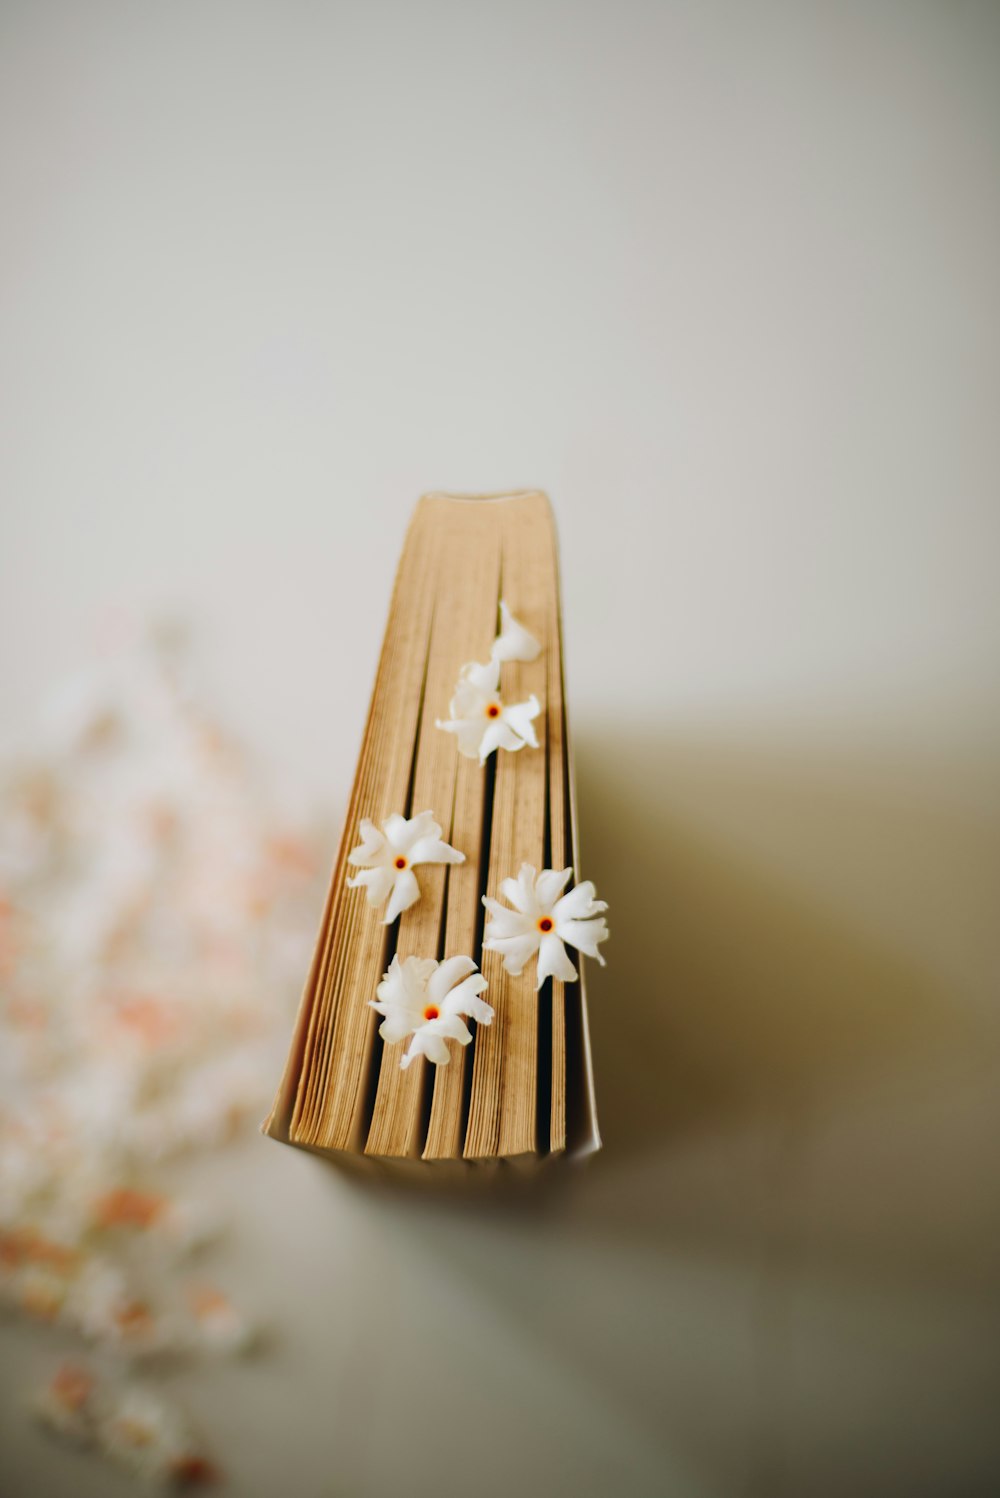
[(143, 1433), (126, 1420), (427, 999), (480, 719), (513, 643), (39, 1291), (69, 1403), (103, 1306), (545, 921), (155, 916), (218, 1325), (389, 857)]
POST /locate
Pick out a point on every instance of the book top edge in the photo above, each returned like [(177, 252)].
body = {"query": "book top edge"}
[(486, 498)]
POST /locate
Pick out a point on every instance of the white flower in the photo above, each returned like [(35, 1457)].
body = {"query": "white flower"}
[(68, 1403), (513, 643), (544, 920), (102, 1305), (220, 1327), (389, 856), (480, 720), (427, 999), (144, 1433)]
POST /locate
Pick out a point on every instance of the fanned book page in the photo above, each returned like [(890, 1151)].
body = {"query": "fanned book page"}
[(475, 1053)]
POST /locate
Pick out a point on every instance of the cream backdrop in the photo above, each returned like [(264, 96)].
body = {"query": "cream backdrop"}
[(722, 278)]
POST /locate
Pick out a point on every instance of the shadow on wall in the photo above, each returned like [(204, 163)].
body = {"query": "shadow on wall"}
[(803, 960), (794, 1220), (752, 968), (793, 932)]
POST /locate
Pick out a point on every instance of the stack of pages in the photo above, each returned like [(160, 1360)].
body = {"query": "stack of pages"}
[(522, 1088)]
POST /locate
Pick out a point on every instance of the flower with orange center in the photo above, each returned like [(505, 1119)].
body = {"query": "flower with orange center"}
[(41, 1293), (219, 1324), (69, 1403), (146, 1435), (72, 1386), (133, 1318), (546, 921), (388, 859), (480, 719), (125, 1207), (430, 1000)]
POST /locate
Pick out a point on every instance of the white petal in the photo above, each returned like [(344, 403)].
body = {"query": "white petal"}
[(421, 970), (394, 1027), (377, 881), (579, 904), (554, 962), (402, 989), (372, 843), (483, 679), (446, 975), (584, 935), (521, 891), (426, 1043), (451, 1026), (515, 950), (429, 1039), (405, 892), (459, 993), (433, 850), (420, 828), (395, 828), (513, 643), (498, 735), (469, 701), (464, 999), (506, 922), (468, 732), (394, 971), (406, 982), (519, 715), (549, 886)]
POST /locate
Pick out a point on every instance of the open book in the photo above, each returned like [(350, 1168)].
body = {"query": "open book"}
[(522, 1089)]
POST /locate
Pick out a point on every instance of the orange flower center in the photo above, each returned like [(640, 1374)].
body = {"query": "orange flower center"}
[(135, 1432), (192, 1470), (72, 1387), (400, 862), (133, 1316), (127, 1208), (431, 1012), (545, 924), (493, 711)]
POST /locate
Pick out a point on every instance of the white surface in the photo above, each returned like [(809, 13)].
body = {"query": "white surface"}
[(722, 278)]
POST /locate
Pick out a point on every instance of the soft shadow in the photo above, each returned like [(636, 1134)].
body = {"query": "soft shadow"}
[(730, 992), (793, 1041)]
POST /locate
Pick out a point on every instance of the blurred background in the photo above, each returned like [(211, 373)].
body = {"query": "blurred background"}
[(721, 278)]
